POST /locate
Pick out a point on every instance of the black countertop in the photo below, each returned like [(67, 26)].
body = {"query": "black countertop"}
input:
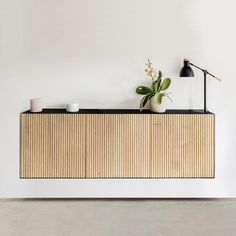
[(114, 111)]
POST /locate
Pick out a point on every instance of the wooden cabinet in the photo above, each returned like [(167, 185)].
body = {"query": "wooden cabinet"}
[(116, 144)]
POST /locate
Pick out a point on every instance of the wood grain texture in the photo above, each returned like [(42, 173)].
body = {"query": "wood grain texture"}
[(52, 146), (182, 146), (118, 146)]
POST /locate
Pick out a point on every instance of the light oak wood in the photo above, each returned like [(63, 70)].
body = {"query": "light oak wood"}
[(117, 146), (182, 146), (52, 146)]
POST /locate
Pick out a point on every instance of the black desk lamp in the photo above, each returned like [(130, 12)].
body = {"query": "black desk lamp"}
[(187, 71)]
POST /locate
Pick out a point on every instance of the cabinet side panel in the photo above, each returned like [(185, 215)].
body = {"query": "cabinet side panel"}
[(24, 155), (210, 138)]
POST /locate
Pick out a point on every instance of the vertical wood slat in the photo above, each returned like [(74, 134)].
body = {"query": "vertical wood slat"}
[(52, 146), (182, 146), (117, 146)]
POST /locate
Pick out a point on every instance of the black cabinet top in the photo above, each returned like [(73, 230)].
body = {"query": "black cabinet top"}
[(114, 111)]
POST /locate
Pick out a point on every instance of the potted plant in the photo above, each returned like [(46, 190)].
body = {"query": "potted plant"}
[(157, 92)]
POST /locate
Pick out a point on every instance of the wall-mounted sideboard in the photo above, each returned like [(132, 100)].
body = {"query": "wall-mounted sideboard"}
[(117, 144)]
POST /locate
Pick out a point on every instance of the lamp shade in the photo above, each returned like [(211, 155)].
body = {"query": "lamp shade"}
[(186, 71)]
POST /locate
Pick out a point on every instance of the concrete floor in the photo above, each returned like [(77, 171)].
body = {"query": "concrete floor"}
[(118, 217)]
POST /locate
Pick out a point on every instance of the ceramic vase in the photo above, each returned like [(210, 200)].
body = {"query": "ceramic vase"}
[(157, 108), (36, 105)]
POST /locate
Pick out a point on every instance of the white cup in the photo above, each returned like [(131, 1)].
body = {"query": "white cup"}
[(72, 107)]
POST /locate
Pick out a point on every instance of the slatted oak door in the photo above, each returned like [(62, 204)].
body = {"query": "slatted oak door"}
[(52, 146), (182, 146), (117, 146)]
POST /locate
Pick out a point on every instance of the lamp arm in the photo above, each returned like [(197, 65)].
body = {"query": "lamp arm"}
[(197, 67), (205, 71)]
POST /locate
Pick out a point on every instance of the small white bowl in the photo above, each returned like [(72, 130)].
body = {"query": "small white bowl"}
[(72, 107)]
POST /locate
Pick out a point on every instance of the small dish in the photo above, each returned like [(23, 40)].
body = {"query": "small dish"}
[(72, 107)]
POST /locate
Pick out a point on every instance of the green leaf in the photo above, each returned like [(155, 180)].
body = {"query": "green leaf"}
[(141, 104), (165, 84), (145, 99), (156, 85), (143, 90), (159, 97)]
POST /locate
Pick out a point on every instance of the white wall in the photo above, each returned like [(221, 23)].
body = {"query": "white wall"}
[(94, 52)]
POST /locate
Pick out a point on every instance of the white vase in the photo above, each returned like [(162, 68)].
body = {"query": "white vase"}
[(158, 108), (36, 105)]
